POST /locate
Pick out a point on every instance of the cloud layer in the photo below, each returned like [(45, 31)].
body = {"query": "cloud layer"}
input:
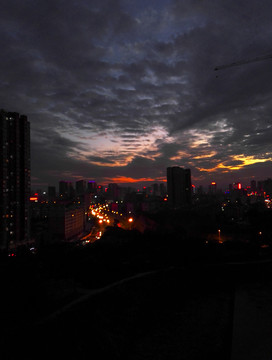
[(119, 90)]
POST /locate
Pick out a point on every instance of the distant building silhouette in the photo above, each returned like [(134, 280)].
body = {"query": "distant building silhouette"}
[(267, 186), (253, 186), (162, 189), (14, 179), (80, 187), (113, 192), (66, 190), (179, 186), (92, 187), (155, 189), (100, 189), (212, 188), (52, 193)]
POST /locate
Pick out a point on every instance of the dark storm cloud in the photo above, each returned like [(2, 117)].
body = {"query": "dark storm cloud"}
[(139, 76), (54, 146), (97, 159)]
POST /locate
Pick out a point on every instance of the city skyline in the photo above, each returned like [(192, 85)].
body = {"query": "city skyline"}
[(108, 102)]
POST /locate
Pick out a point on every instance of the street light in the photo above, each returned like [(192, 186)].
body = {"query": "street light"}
[(130, 220)]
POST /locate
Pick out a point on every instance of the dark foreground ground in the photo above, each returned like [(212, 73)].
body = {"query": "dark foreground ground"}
[(166, 315), (78, 308)]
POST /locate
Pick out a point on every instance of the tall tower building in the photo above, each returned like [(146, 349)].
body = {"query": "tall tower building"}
[(66, 190), (113, 192), (52, 193), (212, 188), (80, 187), (179, 186), (14, 179), (92, 187)]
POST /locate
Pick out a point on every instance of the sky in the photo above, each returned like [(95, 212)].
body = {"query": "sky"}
[(118, 90)]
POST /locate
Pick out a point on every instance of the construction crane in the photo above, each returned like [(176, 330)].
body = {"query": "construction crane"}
[(242, 62)]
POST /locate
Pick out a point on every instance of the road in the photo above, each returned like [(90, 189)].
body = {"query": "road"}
[(106, 217)]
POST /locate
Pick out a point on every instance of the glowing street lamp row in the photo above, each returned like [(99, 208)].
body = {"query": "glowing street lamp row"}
[(103, 217)]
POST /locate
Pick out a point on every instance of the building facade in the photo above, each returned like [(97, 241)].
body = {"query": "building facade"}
[(92, 187), (66, 221), (179, 186), (80, 187), (66, 190), (52, 195), (14, 179)]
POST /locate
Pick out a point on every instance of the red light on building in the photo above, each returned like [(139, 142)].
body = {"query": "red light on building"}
[(213, 183), (239, 186)]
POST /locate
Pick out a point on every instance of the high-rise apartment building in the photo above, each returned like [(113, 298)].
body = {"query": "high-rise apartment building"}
[(14, 179), (80, 187), (212, 188), (113, 192), (52, 193), (179, 186), (92, 187), (66, 190)]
